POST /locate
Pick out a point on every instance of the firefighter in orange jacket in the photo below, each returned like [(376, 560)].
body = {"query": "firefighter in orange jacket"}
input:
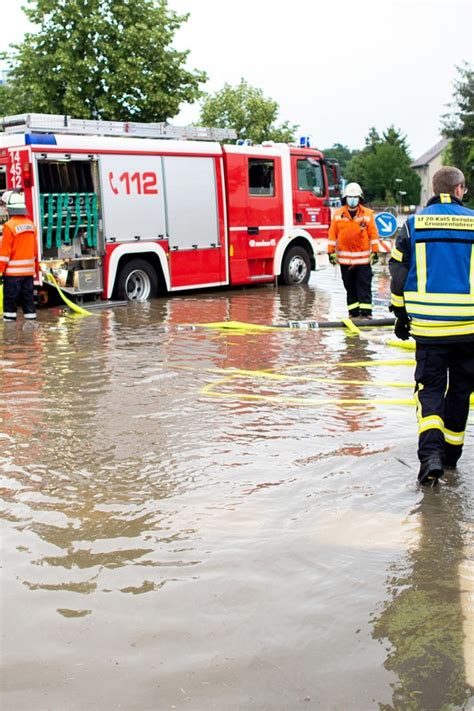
[(354, 244), (18, 257)]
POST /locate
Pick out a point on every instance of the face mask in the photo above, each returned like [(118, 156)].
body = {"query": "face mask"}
[(352, 201)]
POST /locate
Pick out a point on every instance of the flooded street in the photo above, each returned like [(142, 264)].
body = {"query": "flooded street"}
[(197, 519)]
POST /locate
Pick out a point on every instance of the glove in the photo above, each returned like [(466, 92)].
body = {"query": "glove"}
[(402, 327), (374, 258), (332, 258), (399, 311)]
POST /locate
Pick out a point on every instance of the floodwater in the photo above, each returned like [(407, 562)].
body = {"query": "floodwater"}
[(198, 519)]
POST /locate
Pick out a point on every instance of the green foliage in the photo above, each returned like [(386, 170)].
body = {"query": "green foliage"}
[(341, 153), (372, 140), (245, 109), (458, 125), (7, 100), (394, 137), (383, 168), (107, 59)]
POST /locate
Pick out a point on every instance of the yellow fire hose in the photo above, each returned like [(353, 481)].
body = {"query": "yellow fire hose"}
[(242, 328), (74, 307), (49, 277)]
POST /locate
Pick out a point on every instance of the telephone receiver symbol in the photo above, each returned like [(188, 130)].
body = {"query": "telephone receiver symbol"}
[(111, 182)]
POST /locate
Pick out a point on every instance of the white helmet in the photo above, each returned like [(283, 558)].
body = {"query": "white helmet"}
[(14, 201), (352, 190)]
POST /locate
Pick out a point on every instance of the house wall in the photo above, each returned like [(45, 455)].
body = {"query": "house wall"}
[(426, 173)]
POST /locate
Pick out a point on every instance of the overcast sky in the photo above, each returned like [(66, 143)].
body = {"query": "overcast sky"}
[(336, 68)]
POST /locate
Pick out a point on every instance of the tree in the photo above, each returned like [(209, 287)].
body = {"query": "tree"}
[(458, 125), (245, 109), (383, 168), (394, 137), (372, 140), (341, 153), (104, 59), (7, 100)]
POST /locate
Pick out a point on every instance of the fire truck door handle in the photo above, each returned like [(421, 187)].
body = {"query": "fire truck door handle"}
[(253, 230), (299, 217)]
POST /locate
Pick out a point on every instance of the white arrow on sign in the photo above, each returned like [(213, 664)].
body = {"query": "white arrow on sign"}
[(385, 226)]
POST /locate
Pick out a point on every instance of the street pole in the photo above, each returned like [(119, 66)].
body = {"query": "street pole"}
[(399, 181)]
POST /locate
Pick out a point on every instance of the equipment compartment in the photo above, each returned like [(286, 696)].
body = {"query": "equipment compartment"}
[(71, 225)]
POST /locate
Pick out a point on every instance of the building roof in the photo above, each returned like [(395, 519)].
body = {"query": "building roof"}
[(430, 154)]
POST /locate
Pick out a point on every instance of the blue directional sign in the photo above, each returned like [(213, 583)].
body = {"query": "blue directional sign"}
[(386, 224)]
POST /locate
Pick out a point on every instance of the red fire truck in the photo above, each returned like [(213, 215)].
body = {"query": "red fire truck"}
[(127, 210)]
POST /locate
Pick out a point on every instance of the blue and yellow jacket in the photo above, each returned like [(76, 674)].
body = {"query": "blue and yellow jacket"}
[(432, 270)]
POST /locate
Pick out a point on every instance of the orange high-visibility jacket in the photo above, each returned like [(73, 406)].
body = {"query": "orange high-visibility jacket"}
[(353, 239), (19, 248)]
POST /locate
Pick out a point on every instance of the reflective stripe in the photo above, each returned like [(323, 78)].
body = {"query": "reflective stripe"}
[(374, 241), (355, 254), (397, 255), (353, 306), (353, 262), (332, 242), (433, 422), (453, 437), (21, 271), (421, 267), (436, 331), (397, 300), (428, 322), (9, 314), (365, 306), (17, 262), (466, 312), (471, 272), (419, 387), (4, 259), (29, 316), (439, 298)]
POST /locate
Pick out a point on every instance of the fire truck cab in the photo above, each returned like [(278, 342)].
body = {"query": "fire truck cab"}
[(128, 210)]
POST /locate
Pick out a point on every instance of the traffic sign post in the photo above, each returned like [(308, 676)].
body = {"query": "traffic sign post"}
[(386, 224)]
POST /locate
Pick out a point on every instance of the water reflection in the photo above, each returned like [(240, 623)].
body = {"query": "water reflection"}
[(424, 621), (217, 535)]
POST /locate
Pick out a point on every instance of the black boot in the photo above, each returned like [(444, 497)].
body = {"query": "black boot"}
[(430, 471), (450, 463)]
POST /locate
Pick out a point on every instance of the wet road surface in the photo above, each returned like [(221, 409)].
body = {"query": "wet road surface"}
[(188, 523)]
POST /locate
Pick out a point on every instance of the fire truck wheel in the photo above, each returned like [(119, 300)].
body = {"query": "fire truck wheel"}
[(296, 268), (137, 281)]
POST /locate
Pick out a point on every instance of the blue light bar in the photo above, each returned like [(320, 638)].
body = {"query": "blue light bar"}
[(41, 139)]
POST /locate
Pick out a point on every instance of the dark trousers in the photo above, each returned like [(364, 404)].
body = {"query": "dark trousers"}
[(444, 378), (18, 291), (357, 282)]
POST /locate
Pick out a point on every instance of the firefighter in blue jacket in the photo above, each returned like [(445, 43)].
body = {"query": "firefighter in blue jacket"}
[(432, 284)]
